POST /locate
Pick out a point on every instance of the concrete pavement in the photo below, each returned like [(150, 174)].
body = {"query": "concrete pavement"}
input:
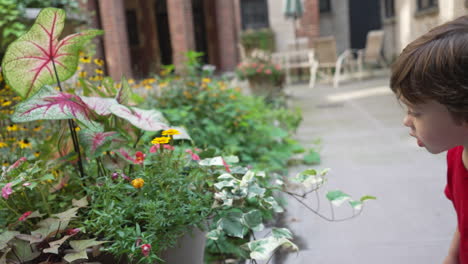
[(369, 152)]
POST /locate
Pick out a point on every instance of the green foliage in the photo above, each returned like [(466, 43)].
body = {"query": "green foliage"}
[(263, 39), (11, 25), (173, 198), (235, 124)]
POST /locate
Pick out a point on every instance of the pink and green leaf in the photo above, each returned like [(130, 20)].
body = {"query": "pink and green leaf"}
[(149, 120), (51, 104), (29, 61), (94, 141), (99, 105)]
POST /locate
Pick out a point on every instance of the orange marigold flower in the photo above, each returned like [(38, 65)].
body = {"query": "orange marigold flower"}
[(138, 183)]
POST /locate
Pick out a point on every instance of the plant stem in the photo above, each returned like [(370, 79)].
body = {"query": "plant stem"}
[(45, 202), (9, 207), (72, 129)]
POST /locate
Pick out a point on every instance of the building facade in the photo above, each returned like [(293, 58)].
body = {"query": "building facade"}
[(405, 20), (142, 35)]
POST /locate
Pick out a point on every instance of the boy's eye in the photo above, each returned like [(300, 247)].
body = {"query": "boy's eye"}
[(412, 113)]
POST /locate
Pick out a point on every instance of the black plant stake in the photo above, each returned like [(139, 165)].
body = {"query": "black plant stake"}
[(71, 126)]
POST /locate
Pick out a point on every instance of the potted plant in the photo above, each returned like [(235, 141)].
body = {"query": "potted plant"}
[(265, 77)]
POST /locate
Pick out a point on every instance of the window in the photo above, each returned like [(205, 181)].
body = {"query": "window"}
[(324, 6), (389, 6), (426, 4), (254, 14)]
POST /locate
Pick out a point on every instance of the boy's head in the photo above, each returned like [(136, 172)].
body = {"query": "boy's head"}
[(434, 67)]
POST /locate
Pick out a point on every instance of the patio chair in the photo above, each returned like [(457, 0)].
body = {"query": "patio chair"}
[(358, 60), (325, 48), (297, 59)]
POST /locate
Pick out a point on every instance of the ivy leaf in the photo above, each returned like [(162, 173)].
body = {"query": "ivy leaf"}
[(84, 244), (337, 197), (355, 204), (25, 251), (262, 249), (54, 245), (149, 120), (83, 202), (214, 234), (309, 178), (232, 225), (79, 249), (49, 226), (253, 219), (367, 197), (3, 258), (28, 61), (281, 233), (67, 215), (311, 158), (5, 237), (53, 105), (274, 204)]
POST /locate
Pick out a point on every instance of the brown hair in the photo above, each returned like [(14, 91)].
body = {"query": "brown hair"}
[(435, 67)]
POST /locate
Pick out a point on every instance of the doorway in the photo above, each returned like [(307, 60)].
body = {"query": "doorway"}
[(364, 15)]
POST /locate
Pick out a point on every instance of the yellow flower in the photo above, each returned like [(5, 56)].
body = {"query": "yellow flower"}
[(232, 96), (36, 154), (206, 80), (151, 80), (1, 77), (77, 128), (138, 183), (163, 84), (16, 98), (82, 74), (187, 95), (5, 164), (99, 71), (148, 87), (161, 140), (98, 62), (85, 59), (12, 127), (170, 132), (131, 81), (24, 143), (7, 103), (3, 144), (37, 128)]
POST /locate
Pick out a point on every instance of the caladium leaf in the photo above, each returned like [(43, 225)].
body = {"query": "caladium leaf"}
[(149, 120), (51, 104), (100, 105), (93, 141), (28, 62), (124, 92)]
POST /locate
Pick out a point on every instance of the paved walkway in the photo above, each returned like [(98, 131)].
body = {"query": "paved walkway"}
[(369, 152)]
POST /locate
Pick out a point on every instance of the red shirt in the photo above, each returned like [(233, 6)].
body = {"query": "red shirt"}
[(457, 191)]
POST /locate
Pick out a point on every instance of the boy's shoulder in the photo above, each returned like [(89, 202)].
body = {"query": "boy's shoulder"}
[(454, 154)]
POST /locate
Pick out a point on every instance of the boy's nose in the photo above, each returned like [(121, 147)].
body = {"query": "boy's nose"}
[(407, 121)]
